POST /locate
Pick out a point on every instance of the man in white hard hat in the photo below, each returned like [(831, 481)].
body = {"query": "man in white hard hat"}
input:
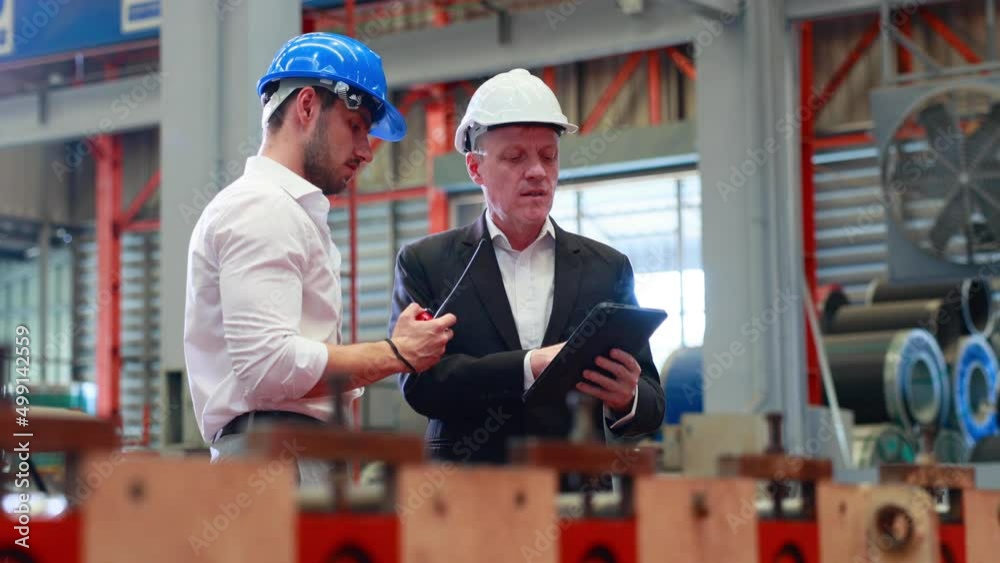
[(262, 330), (527, 292)]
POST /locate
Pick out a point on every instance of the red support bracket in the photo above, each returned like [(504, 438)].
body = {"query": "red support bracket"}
[(684, 64), (842, 141), (141, 198), (818, 102), (108, 157), (143, 226), (904, 58), (623, 75), (949, 36)]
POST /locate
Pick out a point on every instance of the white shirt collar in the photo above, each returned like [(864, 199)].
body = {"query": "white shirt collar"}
[(495, 232), (310, 197), (296, 186)]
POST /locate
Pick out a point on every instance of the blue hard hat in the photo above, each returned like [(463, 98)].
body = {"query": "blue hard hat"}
[(336, 58)]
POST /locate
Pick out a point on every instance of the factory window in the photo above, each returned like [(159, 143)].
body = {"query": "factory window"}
[(656, 221)]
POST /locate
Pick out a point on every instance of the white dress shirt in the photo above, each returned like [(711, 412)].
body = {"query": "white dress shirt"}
[(263, 296), (529, 281)]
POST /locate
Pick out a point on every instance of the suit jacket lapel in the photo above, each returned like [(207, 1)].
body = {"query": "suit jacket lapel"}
[(485, 274), (567, 284)]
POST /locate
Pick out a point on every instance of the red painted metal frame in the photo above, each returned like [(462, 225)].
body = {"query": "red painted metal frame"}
[(949, 36), (322, 535), (108, 360), (818, 102), (579, 537), (814, 104), (52, 540), (843, 141), (951, 537), (904, 58), (143, 226), (774, 536), (813, 389), (611, 92), (653, 87), (141, 198), (683, 63), (549, 77)]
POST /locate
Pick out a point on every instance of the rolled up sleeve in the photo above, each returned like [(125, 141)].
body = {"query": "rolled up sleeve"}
[(262, 264)]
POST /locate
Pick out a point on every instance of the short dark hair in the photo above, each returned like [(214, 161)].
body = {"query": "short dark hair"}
[(277, 118)]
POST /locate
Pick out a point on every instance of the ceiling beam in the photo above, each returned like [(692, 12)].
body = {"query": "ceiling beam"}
[(82, 111), (562, 33), (801, 10)]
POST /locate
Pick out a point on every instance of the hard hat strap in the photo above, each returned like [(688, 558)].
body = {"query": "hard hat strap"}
[(353, 98)]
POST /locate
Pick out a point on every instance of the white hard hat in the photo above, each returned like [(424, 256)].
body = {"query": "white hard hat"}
[(510, 97)]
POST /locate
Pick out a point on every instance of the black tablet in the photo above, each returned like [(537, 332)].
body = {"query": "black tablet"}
[(607, 326)]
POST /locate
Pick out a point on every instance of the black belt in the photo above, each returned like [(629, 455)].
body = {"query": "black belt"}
[(239, 424)]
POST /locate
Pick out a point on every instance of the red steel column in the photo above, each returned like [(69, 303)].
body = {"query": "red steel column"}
[(806, 73), (108, 157), (440, 129)]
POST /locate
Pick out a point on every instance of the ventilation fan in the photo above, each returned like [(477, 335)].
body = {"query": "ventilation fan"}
[(941, 174)]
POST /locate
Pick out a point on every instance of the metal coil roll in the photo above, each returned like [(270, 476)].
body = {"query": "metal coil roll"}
[(971, 299), (890, 376), (973, 381), (935, 316)]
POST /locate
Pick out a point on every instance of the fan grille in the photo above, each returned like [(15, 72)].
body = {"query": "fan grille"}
[(941, 175)]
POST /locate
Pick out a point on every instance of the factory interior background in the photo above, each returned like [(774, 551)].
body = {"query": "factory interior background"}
[(809, 188)]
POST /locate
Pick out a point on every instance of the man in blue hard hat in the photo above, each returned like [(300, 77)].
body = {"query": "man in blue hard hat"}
[(262, 331)]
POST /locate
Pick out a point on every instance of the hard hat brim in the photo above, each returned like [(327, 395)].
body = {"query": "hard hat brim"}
[(566, 127)]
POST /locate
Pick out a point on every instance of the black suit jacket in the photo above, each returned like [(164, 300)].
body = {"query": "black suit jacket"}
[(472, 397)]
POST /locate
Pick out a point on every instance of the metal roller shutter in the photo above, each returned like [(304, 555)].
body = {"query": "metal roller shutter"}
[(383, 228)]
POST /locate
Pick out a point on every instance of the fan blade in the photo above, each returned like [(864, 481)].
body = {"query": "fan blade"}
[(950, 220), (988, 197), (983, 141), (943, 136), (917, 172)]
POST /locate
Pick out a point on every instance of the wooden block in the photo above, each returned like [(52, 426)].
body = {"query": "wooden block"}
[(851, 518), (337, 444), (589, 459), (56, 430), (981, 514), (930, 476), (696, 520), (487, 515), (169, 510), (776, 467)]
